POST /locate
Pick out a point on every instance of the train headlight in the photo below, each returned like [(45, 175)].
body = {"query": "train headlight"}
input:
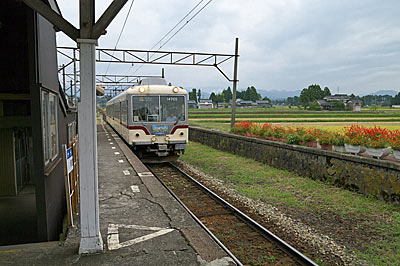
[(175, 89), (141, 89), (153, 139)]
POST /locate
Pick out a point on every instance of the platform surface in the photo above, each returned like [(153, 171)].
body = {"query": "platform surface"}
[(140, 222)]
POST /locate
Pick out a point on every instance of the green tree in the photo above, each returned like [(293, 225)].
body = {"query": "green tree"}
[(193, 95), (267, 99), (198, 95), (252, 94), (227, 94), (327, 92), (310, 94), (213, 97), (396, 99), (315, 106)]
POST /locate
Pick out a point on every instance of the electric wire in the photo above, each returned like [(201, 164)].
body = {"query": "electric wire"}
[(120, 34), (187, 22)]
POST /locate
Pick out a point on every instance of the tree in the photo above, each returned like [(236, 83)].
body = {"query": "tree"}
[(315, 106), (266, 99), (327, 92), (193, 95), (310, 94), (252, 94), (213, 97), (227, 94), (199, 95), (396, 99)]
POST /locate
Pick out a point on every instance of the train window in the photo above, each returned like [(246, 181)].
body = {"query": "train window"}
[(172, 108), (145, 108), (124, 112)]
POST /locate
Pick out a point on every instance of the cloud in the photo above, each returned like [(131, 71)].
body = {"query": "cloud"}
[(284, 45)]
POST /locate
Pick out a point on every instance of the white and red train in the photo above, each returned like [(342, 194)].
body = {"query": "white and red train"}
[(152, 117)]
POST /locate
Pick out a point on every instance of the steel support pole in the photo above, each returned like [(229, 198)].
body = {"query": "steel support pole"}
[(63, 74), (91, 240), (235, 81), (74, 98)]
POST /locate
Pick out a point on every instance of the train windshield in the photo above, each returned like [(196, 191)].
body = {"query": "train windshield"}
[(145, 108), (172, 108), (158, 108)]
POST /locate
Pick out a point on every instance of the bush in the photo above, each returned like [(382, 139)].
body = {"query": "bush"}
[(314, 106)]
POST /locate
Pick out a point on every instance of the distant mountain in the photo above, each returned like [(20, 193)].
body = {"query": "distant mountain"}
[(383, 92), (275, 94)]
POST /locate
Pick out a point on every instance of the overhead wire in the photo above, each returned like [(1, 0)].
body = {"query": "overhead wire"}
[(187, 22), (120, 34)]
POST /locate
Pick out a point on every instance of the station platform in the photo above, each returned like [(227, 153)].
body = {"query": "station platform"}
[(140, 222)]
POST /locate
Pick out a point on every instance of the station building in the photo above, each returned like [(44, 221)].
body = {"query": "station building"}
[(35, 121)]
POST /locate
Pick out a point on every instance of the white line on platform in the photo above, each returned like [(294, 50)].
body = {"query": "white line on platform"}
[(145, 174), (126, 172), (111, 143), (116, 153), (113, 148), (120, 161), (113, 235), (135, 189)]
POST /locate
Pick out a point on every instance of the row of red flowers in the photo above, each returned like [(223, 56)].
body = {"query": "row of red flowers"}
[(374, 137)]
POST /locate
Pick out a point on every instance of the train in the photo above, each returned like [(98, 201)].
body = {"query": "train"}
[(152, 117)]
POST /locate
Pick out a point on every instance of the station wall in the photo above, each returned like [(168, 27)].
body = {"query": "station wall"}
[(365, 175)]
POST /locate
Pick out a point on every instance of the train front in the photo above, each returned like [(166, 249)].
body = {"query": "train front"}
[(159, 128)]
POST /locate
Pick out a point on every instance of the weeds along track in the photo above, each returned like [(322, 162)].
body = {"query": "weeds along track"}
[(250, 243)]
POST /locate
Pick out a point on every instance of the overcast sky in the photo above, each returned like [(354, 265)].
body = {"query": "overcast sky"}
[(348, 45)]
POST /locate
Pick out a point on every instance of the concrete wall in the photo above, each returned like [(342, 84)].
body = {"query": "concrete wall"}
[(368, 176)]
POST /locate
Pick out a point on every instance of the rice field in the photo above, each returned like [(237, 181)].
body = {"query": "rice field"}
[(324, 120)]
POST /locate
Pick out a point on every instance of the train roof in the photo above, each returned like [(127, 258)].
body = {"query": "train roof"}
[(148, 91)]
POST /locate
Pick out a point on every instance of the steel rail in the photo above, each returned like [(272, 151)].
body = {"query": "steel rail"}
[(291, 251), (236, 260)]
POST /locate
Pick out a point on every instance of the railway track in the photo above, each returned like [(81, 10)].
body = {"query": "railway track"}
[(243, 238)]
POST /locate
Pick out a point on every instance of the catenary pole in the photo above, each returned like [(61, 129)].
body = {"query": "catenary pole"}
[(235, 81)]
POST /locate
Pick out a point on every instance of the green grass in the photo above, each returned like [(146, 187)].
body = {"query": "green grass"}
[(285, 189)]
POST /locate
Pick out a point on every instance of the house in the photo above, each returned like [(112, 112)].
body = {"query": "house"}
[(329, 102), (325, 105), (192, 104), (354, 105), (263, 104), (205, 104), (35, 121)]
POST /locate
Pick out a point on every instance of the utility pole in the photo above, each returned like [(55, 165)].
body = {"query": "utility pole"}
[(235, 81)]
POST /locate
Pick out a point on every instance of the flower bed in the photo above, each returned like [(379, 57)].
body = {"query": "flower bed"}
[(354, 136)]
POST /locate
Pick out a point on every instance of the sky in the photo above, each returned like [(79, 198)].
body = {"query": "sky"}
[(350, 46)]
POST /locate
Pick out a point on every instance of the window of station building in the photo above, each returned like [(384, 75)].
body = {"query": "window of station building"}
[(145, 108), (172, 108), (50, 125)]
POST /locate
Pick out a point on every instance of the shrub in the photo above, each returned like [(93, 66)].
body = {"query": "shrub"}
[(337, 139), (325, 138), (311, 134)]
